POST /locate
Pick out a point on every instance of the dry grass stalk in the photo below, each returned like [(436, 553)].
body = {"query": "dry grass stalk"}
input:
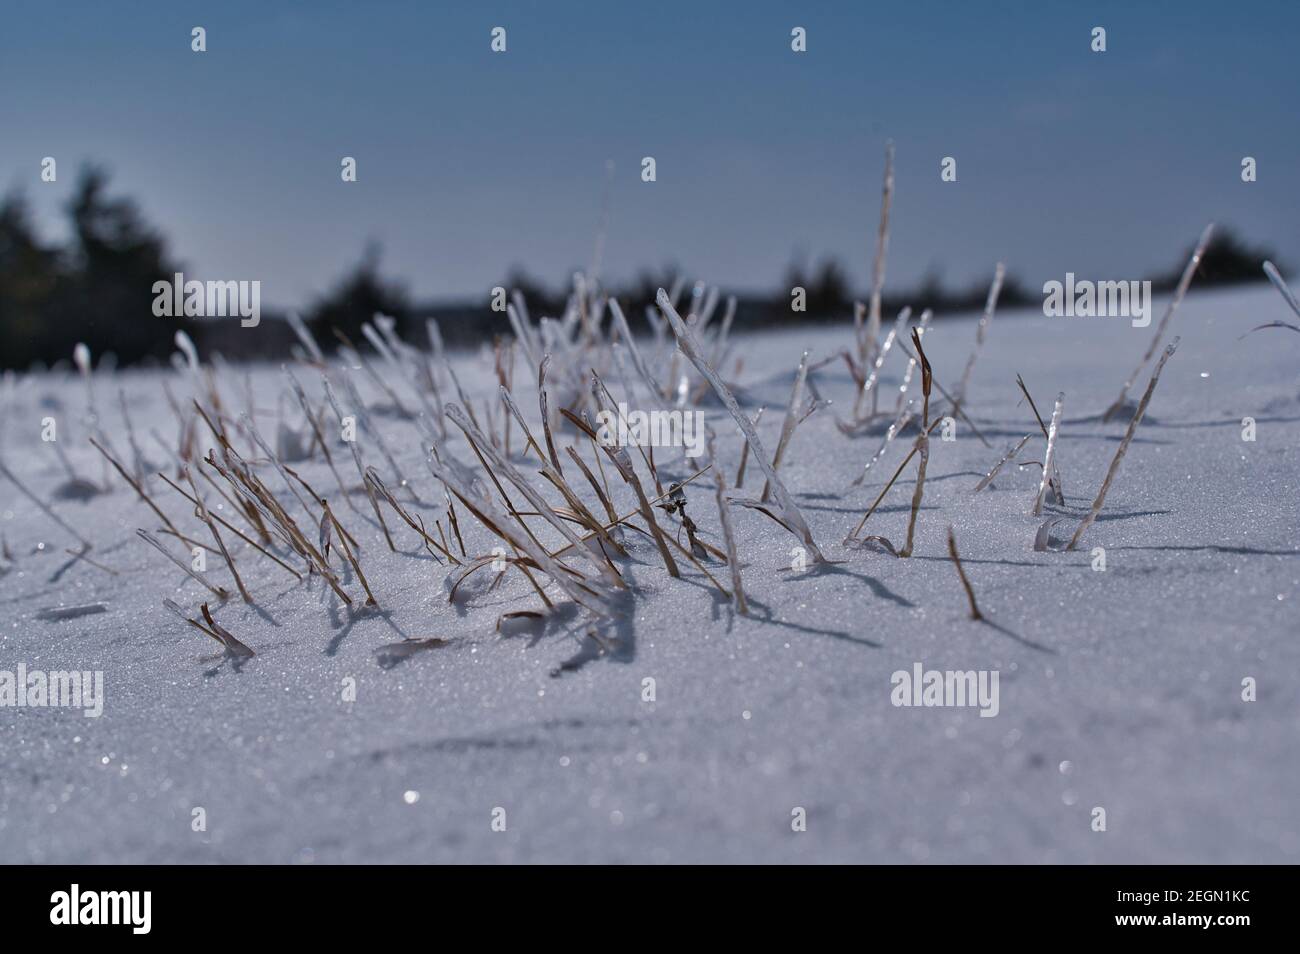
[(638, 362), (356, 460), (1288, 296), (1284, 290), (248, 512), (1123, 446), (921, 327), (312, 494), (591, 479), (1012, 450), (347, 552), (617, 521), (975, 613), (922, 447), (251, 429), (981, 331), (400, 357), (137, 456), (79, 554), (873, 378), (308, 341), (916, 446), (1183, 282), (744, 451), (201, 511), (598, 392), (363, 415), (509, 402), (316, 431), (431, 544), (543, 404), (1056, 470), (900, 422), (690, 347), (868, 341), (221, 592), (139, 489), (247, 490), (955, 405), (355, 357), (1049, 461), (728, 533), (43, 507), (201, 627), (788, 425), (233, 645)]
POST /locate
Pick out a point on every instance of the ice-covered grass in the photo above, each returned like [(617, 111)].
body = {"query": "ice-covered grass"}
[(662, 725)]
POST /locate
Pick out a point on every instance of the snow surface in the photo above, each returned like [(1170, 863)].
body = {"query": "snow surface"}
[(1120, 689)]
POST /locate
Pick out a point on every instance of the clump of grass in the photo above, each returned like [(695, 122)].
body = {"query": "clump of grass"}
[(250, 488), (873, 377), (1123, 446), (690, 347), (576, 586), (493, 458), (623, 464), (922, 447)]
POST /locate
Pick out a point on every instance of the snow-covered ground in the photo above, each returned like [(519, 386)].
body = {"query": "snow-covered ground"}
[(1119, 689)]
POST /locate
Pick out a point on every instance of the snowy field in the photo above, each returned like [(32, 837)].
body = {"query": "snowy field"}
[(1120, 689)]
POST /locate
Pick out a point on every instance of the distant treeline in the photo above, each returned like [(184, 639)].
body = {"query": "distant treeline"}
[(97, 289)]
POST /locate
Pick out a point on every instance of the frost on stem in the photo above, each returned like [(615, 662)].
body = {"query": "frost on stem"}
[(690, 347)]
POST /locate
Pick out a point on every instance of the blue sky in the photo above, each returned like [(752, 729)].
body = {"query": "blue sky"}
[(470, 162)]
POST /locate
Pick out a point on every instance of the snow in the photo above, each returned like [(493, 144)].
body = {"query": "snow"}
[(1119, 689)]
